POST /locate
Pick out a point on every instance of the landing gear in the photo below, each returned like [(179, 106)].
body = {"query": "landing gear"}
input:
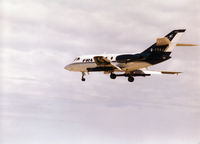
[(130, 79), (113, 76), (83, 74), (83, 79)]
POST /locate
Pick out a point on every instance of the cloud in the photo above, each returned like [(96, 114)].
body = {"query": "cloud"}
[(38, 96)]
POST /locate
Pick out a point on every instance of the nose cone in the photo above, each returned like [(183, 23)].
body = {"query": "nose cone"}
[(68, 67)]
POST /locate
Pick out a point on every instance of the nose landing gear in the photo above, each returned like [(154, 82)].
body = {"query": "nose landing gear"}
[(82, 78)]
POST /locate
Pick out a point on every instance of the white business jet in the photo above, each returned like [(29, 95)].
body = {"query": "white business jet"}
[(130, 65)]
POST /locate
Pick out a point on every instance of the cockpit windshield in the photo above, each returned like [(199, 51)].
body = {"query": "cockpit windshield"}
[(76, 59)]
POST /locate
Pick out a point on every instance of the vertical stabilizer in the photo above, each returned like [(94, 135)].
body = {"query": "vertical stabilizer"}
[(161, 50), (167, 43), (174, 37)]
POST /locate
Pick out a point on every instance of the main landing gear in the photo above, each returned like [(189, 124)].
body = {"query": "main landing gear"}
[(113, 76), (83, 74), (130, 78)]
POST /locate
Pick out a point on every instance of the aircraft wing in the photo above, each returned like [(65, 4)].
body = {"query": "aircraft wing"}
[(142, 72), (148, 72), (104, 62)]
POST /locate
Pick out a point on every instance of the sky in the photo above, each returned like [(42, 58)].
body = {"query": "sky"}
[(40, 102)]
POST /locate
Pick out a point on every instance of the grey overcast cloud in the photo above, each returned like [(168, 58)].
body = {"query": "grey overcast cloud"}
[(42, 103)]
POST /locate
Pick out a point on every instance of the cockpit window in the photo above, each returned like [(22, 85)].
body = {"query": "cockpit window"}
[(76, 59)]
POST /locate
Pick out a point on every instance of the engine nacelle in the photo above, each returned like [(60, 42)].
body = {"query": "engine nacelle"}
[(162, 41)]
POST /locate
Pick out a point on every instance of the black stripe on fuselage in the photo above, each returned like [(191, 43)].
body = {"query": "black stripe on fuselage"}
[(151, 57), (101, 69)]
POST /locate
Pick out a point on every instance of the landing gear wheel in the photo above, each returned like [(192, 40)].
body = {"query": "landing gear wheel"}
[(130, 79), (83, 74), (113, 76)]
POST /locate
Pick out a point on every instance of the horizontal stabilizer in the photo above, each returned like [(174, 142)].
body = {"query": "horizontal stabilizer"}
[(186, 45), (168, 72)]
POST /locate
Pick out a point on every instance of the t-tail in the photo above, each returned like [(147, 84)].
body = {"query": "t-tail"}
[(161, 50)]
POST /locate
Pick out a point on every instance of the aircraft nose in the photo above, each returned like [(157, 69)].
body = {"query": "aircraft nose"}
[(68, 67)]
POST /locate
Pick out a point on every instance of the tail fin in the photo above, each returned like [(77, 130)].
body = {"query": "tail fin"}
[(174, 37), (167, 43)]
